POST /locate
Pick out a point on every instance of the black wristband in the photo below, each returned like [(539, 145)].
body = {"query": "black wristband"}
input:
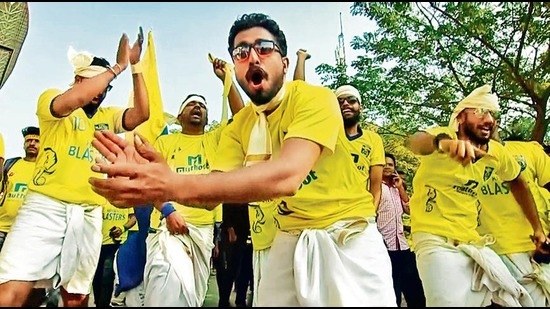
[(438, 138)]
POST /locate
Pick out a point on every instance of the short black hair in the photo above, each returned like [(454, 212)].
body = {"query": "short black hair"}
[(102, 62), (252, 20), (30, 131), (391, 156)]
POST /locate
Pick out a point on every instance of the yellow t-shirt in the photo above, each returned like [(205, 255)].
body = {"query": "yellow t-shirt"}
[(445, 200), (113, 216), (2, 149), (190, 155), (367, 150), (18, 177), (544, 210), (66, 152), (333, 189), (262, 224)]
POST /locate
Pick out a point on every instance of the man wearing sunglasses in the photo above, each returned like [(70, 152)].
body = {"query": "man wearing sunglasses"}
[(56, 237), (456, 163), (287, 145), (182, 245)]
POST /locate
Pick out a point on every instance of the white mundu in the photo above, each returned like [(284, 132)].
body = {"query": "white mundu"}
[(317, 272), (178, 267), (478, 274), (61, 241)]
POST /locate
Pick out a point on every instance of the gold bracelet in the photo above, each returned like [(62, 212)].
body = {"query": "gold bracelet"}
[(136, 68)]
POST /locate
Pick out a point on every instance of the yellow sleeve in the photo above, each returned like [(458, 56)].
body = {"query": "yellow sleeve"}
[(45, 100), (218, 213), (316, 117), (438, 130), (229, 155), (2, 148), (116, 114), (509, 168), (542, 164), (378, 153), (159, 145)]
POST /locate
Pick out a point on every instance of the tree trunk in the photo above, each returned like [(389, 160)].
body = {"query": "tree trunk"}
[(539, 130)]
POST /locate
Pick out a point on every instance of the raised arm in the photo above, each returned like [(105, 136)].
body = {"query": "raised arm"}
[(234, 97), (300, 69)]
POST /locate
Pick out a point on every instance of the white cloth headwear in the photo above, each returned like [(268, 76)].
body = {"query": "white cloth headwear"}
[(348, 90), (81, 62), (193, 98), (479, 98)]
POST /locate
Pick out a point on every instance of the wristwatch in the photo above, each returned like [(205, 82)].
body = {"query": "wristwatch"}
[(438, 138)]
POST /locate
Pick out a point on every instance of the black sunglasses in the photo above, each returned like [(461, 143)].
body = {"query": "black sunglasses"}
[(261, 46)]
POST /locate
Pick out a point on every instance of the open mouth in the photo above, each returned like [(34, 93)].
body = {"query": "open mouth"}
[(256, 76)]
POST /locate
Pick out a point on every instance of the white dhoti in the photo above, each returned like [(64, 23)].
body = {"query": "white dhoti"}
[(532, 276), (178, 267), (54, 244), (346, 264), (465, 275), (259, 262)]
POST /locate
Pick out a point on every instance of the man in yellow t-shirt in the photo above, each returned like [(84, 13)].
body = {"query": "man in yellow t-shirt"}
[(501, 216), (292, 144), (61, 215), (454, 162), (116, 223), (17, 175), (187, 230)]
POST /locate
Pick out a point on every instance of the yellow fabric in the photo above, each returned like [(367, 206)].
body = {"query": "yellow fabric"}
[(18, 177), (262, 224), (2, 150), (156, 123), (32, 136), (113, 216), (479, 98), (227, 82), (367, 150), (544, 210), (332, 190), (445, 195), (155, 218), (63, 165), (190, 154)]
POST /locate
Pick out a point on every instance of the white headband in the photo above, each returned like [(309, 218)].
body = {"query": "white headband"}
[(81, 63), (479, 98), (193, 98), (348, 90)]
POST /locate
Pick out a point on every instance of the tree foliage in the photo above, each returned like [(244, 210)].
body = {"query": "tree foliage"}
[(424, 57)]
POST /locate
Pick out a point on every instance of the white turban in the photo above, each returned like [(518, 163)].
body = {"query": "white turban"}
[(479, 98), (191, 98), (348, 90), (81, 62)]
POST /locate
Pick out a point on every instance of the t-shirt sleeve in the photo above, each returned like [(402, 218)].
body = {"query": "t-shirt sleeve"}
[(2, 147), (509, 168), (116, 114), (43, 110), (229, 154), (378, 153), (316, 117)]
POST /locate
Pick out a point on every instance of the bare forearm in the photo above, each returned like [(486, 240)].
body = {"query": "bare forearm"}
[(262, 181), (82, 93), (421, 143), (300, 69), (523, 196), (140, 112)]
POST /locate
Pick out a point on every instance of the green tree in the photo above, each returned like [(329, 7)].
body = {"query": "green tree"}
[(424, 57)]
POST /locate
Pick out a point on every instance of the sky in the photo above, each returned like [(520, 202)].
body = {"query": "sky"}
[(184, 33)]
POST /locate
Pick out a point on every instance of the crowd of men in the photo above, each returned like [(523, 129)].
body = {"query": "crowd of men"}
[(290, 198)]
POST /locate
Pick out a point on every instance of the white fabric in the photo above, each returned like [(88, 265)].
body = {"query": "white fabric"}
[(54, 243), (259, 262), (193, 98), (346, 91), (479, 98), (260, 143), (135, 297), (523, 270), (346, 264), (178, 267), (81, 63), (478, 275)]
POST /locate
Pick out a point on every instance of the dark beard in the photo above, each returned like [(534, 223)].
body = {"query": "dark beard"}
[(350, 122), (90, 109), (473, 137), (264, 97)]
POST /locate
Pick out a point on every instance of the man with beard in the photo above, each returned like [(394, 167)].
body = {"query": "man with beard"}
[(292, 144), (182, 245), (455, 161), (501, 217), (367, 146), (56, 237)]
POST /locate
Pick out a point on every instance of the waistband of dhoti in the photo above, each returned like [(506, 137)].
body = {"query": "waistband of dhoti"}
[(348, 223), (483, 241)]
